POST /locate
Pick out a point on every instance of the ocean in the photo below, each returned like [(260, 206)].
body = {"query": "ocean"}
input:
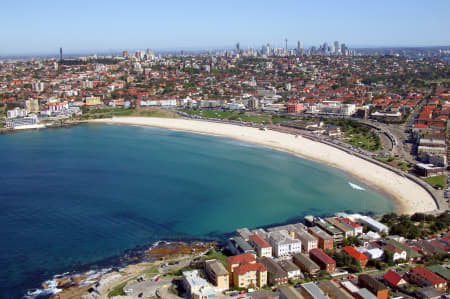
[(74, 196)]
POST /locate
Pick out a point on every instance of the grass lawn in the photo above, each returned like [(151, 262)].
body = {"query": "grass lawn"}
[(437, 182), (365, 140), (395, 162), (229, 115), (110, 112), (217, 255), (118, 290)]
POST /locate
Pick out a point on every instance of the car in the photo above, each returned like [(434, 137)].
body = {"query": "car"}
[(127, 291), (351, 277), (242, 292)]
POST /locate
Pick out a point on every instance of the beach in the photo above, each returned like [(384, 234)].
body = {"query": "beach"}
[(408, 196)]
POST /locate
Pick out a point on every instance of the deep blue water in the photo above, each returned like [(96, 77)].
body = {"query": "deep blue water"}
[(75, 196)]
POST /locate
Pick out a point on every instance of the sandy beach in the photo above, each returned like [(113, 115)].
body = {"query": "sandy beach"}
[(408, 196)]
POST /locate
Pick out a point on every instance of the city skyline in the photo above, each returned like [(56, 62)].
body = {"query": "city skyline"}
[(111, 26)]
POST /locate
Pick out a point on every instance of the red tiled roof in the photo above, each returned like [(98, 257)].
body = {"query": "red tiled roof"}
[(428, 275), (355, 253), (249, 268), (318, 253), (392, 277), (259, 241), (241, 259)]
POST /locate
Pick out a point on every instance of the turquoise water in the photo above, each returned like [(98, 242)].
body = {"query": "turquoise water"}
[(74, 196)]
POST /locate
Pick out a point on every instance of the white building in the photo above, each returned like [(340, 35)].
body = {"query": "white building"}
[(16, 112), (283, 244), (197, 287)]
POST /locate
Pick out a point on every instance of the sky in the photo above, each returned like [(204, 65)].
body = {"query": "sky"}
[(43, 26)]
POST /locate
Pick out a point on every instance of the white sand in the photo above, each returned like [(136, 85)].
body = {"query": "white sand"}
[(409, 196)]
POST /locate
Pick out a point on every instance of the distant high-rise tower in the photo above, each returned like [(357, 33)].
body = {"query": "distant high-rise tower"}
[(336, 46), (238, 47), (286, 40), (299, 45), (60, 54)]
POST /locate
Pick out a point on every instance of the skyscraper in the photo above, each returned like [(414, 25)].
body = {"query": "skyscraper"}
[(238, 47), (299, 47), (336, 47), (60, 54)]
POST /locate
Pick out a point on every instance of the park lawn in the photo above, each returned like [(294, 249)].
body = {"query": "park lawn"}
[(436, 181), (229, 115), (395, 162), (217, 255), (110, 112), (365, 140)]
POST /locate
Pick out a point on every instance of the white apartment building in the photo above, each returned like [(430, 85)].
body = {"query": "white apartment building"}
[(283, 244), (16, 112)]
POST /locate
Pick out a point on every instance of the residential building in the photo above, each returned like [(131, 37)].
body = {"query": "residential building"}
[(238, 245), (325, 241), (373, 285), (306, 264), (323, 260), (250, 276), (276, 274), (346, 229), (197, 287), (337, 234), (92, 101), (283, 244), (393, 279), (397, 253), (333, 290), (289, 292), (311, 291), (353, 252), (291, 269), (308, 241), (217, 274), (261, 246), (440, 270), (424, 277), (364, 294)]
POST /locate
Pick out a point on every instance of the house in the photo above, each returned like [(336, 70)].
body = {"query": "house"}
[(283, 244), (197, 287), (440, 270), (411, 254), (311, 291), (373, 285), (333, 290), (393, 279), (291, 269), (361, 257), (423, 276), (217, 274), (430, 293), (364, 294), (323, 260), (325, 241), (238, 260), (306, 264), (261, 246), (397, 253), (276, 275), (289, 293)]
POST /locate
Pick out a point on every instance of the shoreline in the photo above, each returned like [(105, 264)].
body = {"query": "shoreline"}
[(408, 196)]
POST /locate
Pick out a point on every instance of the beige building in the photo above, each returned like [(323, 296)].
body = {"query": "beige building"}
[(250, 276), (32, 105), (246, 272), (93, 101), (217, 274)]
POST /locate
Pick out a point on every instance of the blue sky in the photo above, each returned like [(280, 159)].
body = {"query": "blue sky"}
[(42, 26)]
